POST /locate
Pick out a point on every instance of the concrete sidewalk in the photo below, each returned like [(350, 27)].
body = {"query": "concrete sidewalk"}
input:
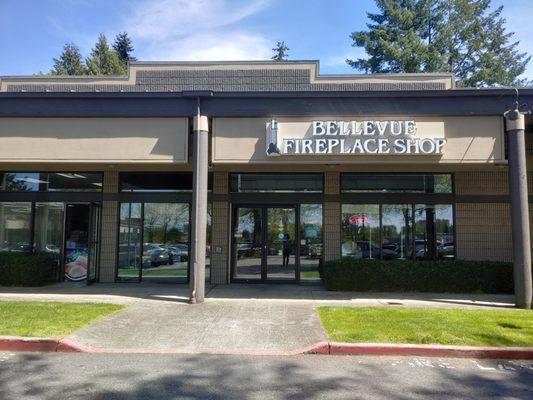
[(233, 318), (128, 293)]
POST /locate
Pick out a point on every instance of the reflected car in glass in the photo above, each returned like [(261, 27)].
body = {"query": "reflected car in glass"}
[(446, 250), (155, 255), (178, 252)]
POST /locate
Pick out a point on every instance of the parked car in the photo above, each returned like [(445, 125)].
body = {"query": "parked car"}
[(154, 255), (244, 250), (179, 252), (315, 250), (446, 250), (159, 257), (374, 251)]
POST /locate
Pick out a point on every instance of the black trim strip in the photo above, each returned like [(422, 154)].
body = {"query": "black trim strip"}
[(418, 103), (275, 198)]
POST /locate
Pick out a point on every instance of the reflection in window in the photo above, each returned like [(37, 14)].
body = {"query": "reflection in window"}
[(15, 227), (434, 237), (429, 236), (417, 183), (360, 231), (166, 240), (51, 181), (397, 238), (311, 241), (249, 183), (48, 234), (129, 246)]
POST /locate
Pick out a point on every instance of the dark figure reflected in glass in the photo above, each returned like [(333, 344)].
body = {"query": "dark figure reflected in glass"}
[(286, 249)]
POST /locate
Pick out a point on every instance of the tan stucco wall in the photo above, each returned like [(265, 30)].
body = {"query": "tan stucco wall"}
[(469, 140), (117, 140)]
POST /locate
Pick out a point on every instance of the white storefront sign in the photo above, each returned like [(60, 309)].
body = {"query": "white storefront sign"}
[(353, 137)]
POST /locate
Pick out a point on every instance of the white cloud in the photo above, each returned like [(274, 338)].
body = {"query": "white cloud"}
[(196, 30), (213, 46)]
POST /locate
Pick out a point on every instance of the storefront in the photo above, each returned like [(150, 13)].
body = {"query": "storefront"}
[(251, 171)]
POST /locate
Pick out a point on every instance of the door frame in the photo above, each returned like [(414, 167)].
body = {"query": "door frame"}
[(95, 209), (92, 206), (264, 234)]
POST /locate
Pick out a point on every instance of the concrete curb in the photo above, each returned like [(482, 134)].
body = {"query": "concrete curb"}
[(426, 350), (18, 343)]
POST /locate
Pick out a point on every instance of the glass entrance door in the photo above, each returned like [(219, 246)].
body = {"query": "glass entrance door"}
[(248, 245), (281, 243), (76, 242), (265, 243), (80, 261)]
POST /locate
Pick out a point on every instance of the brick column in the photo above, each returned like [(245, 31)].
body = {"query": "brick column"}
[(220, 246), (483, 230), (332, 217), (108, 236)]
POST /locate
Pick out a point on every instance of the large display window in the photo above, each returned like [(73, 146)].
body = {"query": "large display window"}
[(398, 231), (154, 241), (15, 227)]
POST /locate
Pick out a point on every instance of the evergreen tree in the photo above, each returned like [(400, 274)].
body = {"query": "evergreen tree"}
[(124, 47), (69, 62), (280, 52), (103, 60), (460, 36)]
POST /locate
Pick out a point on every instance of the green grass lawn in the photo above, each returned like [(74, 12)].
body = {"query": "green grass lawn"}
[(309, 275), (49, 319), (428, 326)]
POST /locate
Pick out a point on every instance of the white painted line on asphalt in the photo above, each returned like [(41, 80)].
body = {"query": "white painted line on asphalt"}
[(477, 364)]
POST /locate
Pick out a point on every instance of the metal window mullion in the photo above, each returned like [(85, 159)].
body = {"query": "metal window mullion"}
[(141, 228)]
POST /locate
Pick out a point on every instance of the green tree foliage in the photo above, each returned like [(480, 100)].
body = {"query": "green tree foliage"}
[(70, 62), (280, 52), (124, 48), (103, 60), (465, 37)]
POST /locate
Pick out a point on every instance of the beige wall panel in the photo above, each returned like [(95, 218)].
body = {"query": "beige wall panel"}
[(220, 237), (94, 139), (483, 231), (470, 140)]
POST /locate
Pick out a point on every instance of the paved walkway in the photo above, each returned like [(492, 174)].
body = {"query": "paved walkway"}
[(234, 317)]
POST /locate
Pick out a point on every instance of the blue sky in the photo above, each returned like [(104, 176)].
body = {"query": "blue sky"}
[(32, 32)]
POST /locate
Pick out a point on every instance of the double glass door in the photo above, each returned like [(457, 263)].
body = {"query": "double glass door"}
[(265, 243)]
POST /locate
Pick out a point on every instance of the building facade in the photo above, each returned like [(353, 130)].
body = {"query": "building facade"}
[(264, 169)]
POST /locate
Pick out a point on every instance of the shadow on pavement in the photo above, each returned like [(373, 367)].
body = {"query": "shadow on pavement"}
[(223, 377)]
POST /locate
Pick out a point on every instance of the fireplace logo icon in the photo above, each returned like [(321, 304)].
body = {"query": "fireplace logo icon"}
[(272, 138)]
